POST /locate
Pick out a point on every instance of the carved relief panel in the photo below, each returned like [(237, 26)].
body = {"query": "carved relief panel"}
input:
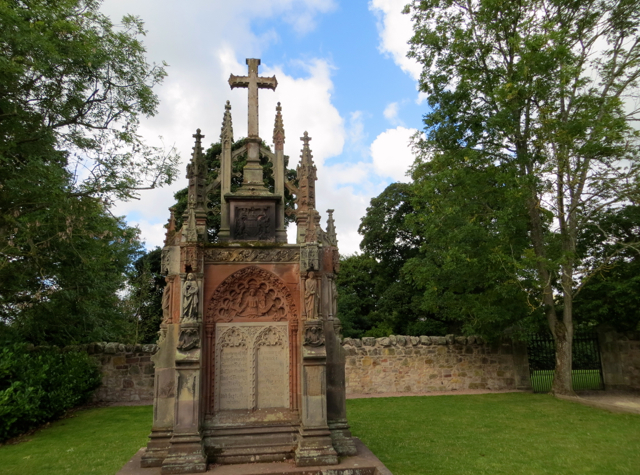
[(253, 221), (251, 293), (252, 366)]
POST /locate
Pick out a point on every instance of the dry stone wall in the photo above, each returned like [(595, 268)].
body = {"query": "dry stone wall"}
[(127, 371), (392, 364), (424, 364)]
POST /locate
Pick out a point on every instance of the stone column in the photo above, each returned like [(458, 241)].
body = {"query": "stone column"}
[(341, 438), (163, 398), (186, 453), (314, 443)]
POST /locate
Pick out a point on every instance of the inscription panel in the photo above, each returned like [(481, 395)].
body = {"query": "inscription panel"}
[(273, 377), (234, 379), (251, 366)]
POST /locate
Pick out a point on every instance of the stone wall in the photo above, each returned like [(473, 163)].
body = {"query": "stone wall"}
[(127, 371), (393, 364), (620, 356), (424, 364)]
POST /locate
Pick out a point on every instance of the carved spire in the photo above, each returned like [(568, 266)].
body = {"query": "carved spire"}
[(306, 177), (331, 229), (278, 129), (171, 228), (197, 174), (227, 125)]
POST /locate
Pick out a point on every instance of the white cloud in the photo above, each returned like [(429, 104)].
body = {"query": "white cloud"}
[(391, 111), (391, 153), (395, 30)]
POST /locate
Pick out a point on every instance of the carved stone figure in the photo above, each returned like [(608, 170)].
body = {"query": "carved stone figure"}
[(166, 302), (313, 336), (251, 293), (310, 296), (189, 339), (190, 299)]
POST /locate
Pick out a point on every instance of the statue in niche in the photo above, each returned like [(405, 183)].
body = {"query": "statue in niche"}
[(190, 299), (166, 302), (310, 296)]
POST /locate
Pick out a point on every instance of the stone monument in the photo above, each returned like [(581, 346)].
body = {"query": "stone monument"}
[(250, 366)]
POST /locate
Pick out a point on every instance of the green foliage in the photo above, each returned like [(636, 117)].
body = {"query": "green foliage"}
[(66, 291), (38, 385), (612, 295), (72, 90), (531, 96), (471, 268), (144, 300), (374, 296), (212, 157)]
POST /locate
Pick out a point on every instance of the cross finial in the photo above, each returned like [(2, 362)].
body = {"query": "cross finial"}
[(253, 82), (305, 139)]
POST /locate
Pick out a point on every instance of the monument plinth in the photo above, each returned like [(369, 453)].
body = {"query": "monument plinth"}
[(250, 366)]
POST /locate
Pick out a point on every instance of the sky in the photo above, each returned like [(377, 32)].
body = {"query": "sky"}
[(342, 73)]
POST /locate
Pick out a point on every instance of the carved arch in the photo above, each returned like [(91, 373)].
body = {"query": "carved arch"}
[(252, 293)]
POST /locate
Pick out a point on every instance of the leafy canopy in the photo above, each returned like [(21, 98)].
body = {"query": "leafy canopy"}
[(73, 88)]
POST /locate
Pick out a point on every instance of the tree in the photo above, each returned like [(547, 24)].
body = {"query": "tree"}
[(543, 89), (375, 297), (72, 90), (470, 268), (144, 300)]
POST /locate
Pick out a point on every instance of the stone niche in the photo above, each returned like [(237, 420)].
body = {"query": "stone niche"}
[(252, 366)]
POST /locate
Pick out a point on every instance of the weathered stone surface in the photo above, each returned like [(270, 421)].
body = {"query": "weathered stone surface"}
[(369, 341), (432, 366), (252, 366), (384, 341)]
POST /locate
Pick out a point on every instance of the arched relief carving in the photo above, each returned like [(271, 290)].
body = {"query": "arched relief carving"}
[(251, 293)]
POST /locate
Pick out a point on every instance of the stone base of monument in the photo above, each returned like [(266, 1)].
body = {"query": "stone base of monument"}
[(157, 448), (363, 463)]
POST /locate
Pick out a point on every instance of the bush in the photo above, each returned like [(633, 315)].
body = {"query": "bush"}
[(41, 384)]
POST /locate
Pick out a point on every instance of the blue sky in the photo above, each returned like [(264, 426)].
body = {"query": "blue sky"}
[(343, 76)]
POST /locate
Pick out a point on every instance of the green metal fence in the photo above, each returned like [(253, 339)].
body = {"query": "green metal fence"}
[(586, 367)]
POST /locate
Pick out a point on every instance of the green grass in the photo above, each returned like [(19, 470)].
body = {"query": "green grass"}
[(93, 441), (512, 433), (581, 379)]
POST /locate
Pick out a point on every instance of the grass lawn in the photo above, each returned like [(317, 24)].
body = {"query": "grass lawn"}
[(94, 441), (513, 433)]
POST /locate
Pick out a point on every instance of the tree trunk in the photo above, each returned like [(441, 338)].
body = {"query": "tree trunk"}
[(562, 385)]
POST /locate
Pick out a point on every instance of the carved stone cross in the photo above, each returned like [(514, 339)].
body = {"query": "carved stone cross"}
[(253, 82)]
